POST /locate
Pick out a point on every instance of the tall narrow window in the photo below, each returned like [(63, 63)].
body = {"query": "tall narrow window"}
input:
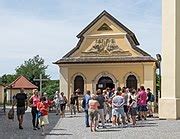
[(131, 82), (79, 84)]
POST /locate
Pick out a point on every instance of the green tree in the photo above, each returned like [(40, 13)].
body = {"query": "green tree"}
[(32, 68), (51, 87), (7, 79)]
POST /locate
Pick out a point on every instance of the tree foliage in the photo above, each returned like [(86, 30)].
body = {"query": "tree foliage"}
[(7, 79), (51, 87), (32, 69)]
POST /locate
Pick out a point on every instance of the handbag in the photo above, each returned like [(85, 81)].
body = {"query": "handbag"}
[(11, 114)]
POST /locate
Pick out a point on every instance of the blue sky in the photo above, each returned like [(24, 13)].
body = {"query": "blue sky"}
[(49, 27)]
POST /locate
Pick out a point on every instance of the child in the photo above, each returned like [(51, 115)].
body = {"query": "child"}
[(43, 106), (93, 112)]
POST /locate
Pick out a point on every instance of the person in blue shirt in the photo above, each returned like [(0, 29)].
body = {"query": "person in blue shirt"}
[(85, 105)]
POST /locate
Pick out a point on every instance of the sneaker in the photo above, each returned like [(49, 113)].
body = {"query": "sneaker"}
[(34, 128), (124, 126), (38, 127), (87, 125), (20, 127)]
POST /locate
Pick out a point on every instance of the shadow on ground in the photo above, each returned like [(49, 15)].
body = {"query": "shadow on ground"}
[(9, 128)]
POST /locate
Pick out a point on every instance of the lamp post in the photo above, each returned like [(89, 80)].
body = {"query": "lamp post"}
[(159, 59)]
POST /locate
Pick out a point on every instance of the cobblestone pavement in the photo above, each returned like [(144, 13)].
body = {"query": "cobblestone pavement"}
[(9, 129), (72, 127)]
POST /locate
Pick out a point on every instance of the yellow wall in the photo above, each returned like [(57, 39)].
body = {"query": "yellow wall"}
[(144, 73), (118, 34), (11, 93), (1, 94), (118, 72)]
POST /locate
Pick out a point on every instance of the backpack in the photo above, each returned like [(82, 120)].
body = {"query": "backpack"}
[(152, 98), (11, 114), (84, 103)]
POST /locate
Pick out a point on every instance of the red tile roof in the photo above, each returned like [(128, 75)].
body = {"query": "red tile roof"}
[(22, 82)]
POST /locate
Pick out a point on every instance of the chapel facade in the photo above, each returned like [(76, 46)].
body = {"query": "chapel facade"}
[(107, 55)]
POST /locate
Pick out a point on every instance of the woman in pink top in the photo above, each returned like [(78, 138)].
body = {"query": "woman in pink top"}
[(34, 100), (142, 102), (93, 112)]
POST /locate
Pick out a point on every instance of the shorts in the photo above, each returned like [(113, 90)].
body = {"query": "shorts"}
[(118, 111), (43, 120), (125, 108), (57, 105), (62, 107), (21, 110), (93, 114), (149, 105), (133, 111), (143, 108)]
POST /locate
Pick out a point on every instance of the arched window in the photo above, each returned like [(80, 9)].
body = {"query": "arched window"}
[(131, 82), (79, 84), (105, 82)]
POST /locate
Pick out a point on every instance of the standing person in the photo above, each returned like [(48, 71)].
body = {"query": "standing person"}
[(105, 104), (21, 102), (126, 94), (85, 106), (142, 103), (110, 95), (43, 108), (138, 104), (34, 99), (56, 101), (118, 109), (72, 104), (100, 98), (62, 102), (133, 106), (150, 100), (93, 112), (77, 92)]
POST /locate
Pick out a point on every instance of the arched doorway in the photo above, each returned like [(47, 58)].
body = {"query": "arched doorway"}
[(79, 84), (105, 82), (131, 82)]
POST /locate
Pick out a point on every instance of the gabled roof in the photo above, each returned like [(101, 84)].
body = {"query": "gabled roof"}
[(22, 82), (130, 35), (105, 13)]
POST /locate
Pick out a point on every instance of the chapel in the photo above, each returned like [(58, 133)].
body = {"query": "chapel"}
[(106, 55)]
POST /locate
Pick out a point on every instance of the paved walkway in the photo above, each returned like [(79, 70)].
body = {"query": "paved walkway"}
[(9, 129), (72, 127)]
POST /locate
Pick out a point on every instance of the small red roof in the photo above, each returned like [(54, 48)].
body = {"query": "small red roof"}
[(22, 82)]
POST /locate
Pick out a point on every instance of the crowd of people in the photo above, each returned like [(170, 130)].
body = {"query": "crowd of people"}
[(118, 107)]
